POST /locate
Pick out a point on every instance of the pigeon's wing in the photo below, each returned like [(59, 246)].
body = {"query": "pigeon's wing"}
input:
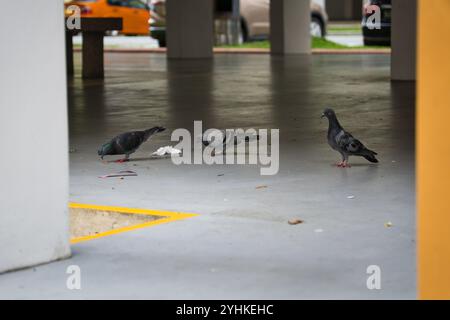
[(212, 139), (348, 144), (129, 142)]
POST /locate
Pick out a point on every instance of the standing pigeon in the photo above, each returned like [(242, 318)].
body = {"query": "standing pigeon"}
[(344, 143), (127, 143)]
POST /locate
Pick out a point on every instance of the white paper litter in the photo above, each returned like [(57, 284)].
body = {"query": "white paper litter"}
[(166, 150)]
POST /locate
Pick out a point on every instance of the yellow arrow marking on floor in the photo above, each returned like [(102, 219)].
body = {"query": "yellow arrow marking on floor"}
[(168, 217)]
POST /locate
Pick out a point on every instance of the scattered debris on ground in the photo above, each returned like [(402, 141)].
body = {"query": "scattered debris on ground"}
[(351, 197), (261, 187), (318, 230), (87, 222), (294, 222), (120, 174), (388, 224)]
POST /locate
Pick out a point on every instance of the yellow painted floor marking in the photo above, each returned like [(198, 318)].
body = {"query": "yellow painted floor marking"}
[(168, 217)]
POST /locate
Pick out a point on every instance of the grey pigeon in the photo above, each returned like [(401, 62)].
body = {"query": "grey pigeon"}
[(344, 143), (228, 138), (127, 143)]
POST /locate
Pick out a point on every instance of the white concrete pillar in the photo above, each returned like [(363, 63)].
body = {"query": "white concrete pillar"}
[(403, 39), (33, 127), (290, 26), (190, 28)]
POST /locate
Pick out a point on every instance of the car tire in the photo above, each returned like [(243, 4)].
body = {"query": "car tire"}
[(316, 28), (377, 43), (162, 43), (243, 33), (369, 43)]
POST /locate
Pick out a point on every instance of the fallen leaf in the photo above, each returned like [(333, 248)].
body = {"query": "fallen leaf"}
[(294, 222), (261, 187)]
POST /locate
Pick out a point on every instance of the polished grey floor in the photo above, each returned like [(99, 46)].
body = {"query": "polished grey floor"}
[(241, 246)]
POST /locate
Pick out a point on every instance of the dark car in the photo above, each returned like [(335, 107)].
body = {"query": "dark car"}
[(377, 35)]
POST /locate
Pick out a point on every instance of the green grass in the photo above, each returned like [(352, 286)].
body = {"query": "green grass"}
[(322, 43), (252, 44), (317, 43), (340, 28), (346, 29)]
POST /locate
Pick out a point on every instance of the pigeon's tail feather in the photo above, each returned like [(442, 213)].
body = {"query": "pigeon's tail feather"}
[(369, 155), (152, 131)]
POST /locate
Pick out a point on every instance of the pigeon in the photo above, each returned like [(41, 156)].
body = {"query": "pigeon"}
[(228, 138), (344, 143), (127, 143)]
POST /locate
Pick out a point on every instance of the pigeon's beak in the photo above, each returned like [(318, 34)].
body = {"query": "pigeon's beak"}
[(322, 116)]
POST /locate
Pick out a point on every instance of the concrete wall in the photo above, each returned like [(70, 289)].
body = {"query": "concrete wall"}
[(33, 127), (403, 38), (190, 28)]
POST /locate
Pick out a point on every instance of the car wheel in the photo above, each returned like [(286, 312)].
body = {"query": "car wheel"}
[(378, 43), (369, 43), (316, 28), (243, 34), (162, 43)]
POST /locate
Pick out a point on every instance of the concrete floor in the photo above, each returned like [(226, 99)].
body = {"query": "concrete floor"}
[(241, 245)]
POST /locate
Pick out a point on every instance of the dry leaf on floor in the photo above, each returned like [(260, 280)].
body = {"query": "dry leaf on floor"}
[(294, 222), (261, 187)]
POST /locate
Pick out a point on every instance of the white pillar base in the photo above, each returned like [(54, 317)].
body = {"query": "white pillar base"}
[(34, 227)]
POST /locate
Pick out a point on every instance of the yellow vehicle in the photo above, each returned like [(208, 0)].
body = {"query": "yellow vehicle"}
[(135, 13)]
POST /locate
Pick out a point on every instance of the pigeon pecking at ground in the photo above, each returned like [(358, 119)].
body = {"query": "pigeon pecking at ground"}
[(344, 143), (127, 143), (227, 138)]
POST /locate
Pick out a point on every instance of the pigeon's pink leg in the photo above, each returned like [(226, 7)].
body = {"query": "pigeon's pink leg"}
[(340, 164), (122, 160), (345, 164)]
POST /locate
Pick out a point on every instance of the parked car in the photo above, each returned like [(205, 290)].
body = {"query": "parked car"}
[(135, 13), (255, 21), (377, 36)]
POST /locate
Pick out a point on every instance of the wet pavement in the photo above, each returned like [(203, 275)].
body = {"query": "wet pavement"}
[(241, 245)]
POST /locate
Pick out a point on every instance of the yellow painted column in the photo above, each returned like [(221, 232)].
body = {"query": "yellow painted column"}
[(433, 149)]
